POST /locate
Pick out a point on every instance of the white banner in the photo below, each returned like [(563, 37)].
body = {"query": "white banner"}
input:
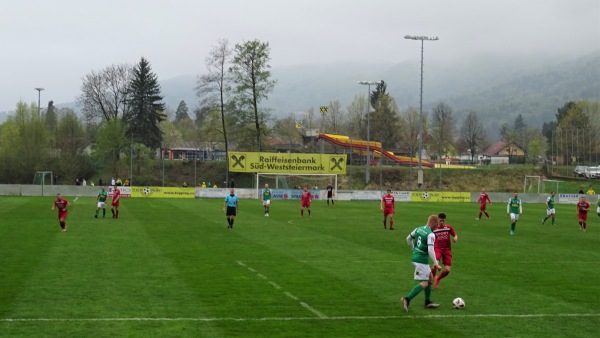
[(568, 198), (401, 196)]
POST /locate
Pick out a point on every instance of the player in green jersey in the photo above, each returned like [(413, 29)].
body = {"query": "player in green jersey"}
[(421, 242), (550, 211), (101, 202), (266, 198), (514, 209)]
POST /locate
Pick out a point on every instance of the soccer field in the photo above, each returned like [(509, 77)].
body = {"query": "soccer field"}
[(170, 268)]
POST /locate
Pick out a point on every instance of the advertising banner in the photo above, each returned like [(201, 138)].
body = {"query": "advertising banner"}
[(568, 198), (293, 194), (162, 192), (125, 191), (292, 163), (437, 196)]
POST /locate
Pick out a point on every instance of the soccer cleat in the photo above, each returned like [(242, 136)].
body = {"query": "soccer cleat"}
[(431, 305), (405, 303), (542, 221), (477, 219), (512, 232), (391, 228), (437, 282), (96, 216), (267, 214)]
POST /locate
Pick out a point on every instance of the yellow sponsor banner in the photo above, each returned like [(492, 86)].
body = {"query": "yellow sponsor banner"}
[(437, 196), (163, 192), (295, 163)]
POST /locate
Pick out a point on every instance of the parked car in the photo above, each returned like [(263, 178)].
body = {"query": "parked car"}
[(580, 170), (592, 172)]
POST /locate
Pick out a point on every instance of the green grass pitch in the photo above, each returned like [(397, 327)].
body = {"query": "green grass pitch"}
[(170, 268)]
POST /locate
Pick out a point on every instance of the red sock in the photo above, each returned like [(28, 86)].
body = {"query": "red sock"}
[(113, 211), (391, 223), (488, 215), (444, 274), (384, 224), (433, 272), (480, 214)]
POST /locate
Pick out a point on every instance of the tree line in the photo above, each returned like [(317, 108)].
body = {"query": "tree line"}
[(124, 121)]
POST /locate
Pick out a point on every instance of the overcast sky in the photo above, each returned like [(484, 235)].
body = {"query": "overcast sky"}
[(53, 44)]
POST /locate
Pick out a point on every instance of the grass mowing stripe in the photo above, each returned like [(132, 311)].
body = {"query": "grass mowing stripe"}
[(319, 318)]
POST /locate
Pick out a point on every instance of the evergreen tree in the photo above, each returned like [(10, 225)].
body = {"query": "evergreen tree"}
[(182, 111), (146, 107)]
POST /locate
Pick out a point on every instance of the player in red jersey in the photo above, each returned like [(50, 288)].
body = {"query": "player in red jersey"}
[(116, 201), (62, 205), (443, 247), (582, 209), (387, 206), (483, 199), (305, 201)]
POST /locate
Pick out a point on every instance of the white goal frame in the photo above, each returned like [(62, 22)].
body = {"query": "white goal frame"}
[(532, 178), (554, 182), (309, 177)]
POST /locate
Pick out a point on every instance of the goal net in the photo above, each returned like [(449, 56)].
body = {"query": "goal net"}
[(553, 185), (43, 178), (532, 184), (295, 181)]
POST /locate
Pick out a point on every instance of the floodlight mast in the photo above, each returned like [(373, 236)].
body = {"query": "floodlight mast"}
[(421, 38), (368, 84)]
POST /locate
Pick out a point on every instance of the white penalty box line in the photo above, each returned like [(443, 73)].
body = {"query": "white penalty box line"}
[(305, 305), (267, 319)]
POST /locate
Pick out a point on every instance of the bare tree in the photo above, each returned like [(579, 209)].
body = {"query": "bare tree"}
[(333, 120), (104, 94), (472, 134), (442, 128), (409, 131), (356, 125), (213, 87)]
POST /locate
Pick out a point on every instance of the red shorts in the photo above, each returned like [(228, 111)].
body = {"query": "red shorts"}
[(482, 207), (387, 212), (444, 256), (115, 204), (62, 215), (305, 205), (582, 217)]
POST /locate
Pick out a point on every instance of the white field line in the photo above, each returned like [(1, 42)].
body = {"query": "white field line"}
[(290, 295), (311, 309), (265, 319), (276, 286)]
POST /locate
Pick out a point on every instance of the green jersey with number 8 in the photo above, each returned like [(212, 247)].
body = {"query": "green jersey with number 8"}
[(423, 237)]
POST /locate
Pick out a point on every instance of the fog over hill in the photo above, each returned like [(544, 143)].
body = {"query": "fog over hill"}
[(497, 88)]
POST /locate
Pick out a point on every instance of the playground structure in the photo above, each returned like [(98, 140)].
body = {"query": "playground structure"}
[(360, 145)]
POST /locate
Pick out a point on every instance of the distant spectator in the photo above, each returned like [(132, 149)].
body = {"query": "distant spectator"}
[(113, 182), (203, 184), (581, 191), (77, 182), (100, 182), (91, 183), (184, 184), (214, 185), (126, 183), (232, 184), (83, 182), (119, 182), (591, 191), (208, 184)]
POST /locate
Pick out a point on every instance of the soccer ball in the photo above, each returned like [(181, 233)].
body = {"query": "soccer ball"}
[(425, 195), (458, 303), (146, 191)]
